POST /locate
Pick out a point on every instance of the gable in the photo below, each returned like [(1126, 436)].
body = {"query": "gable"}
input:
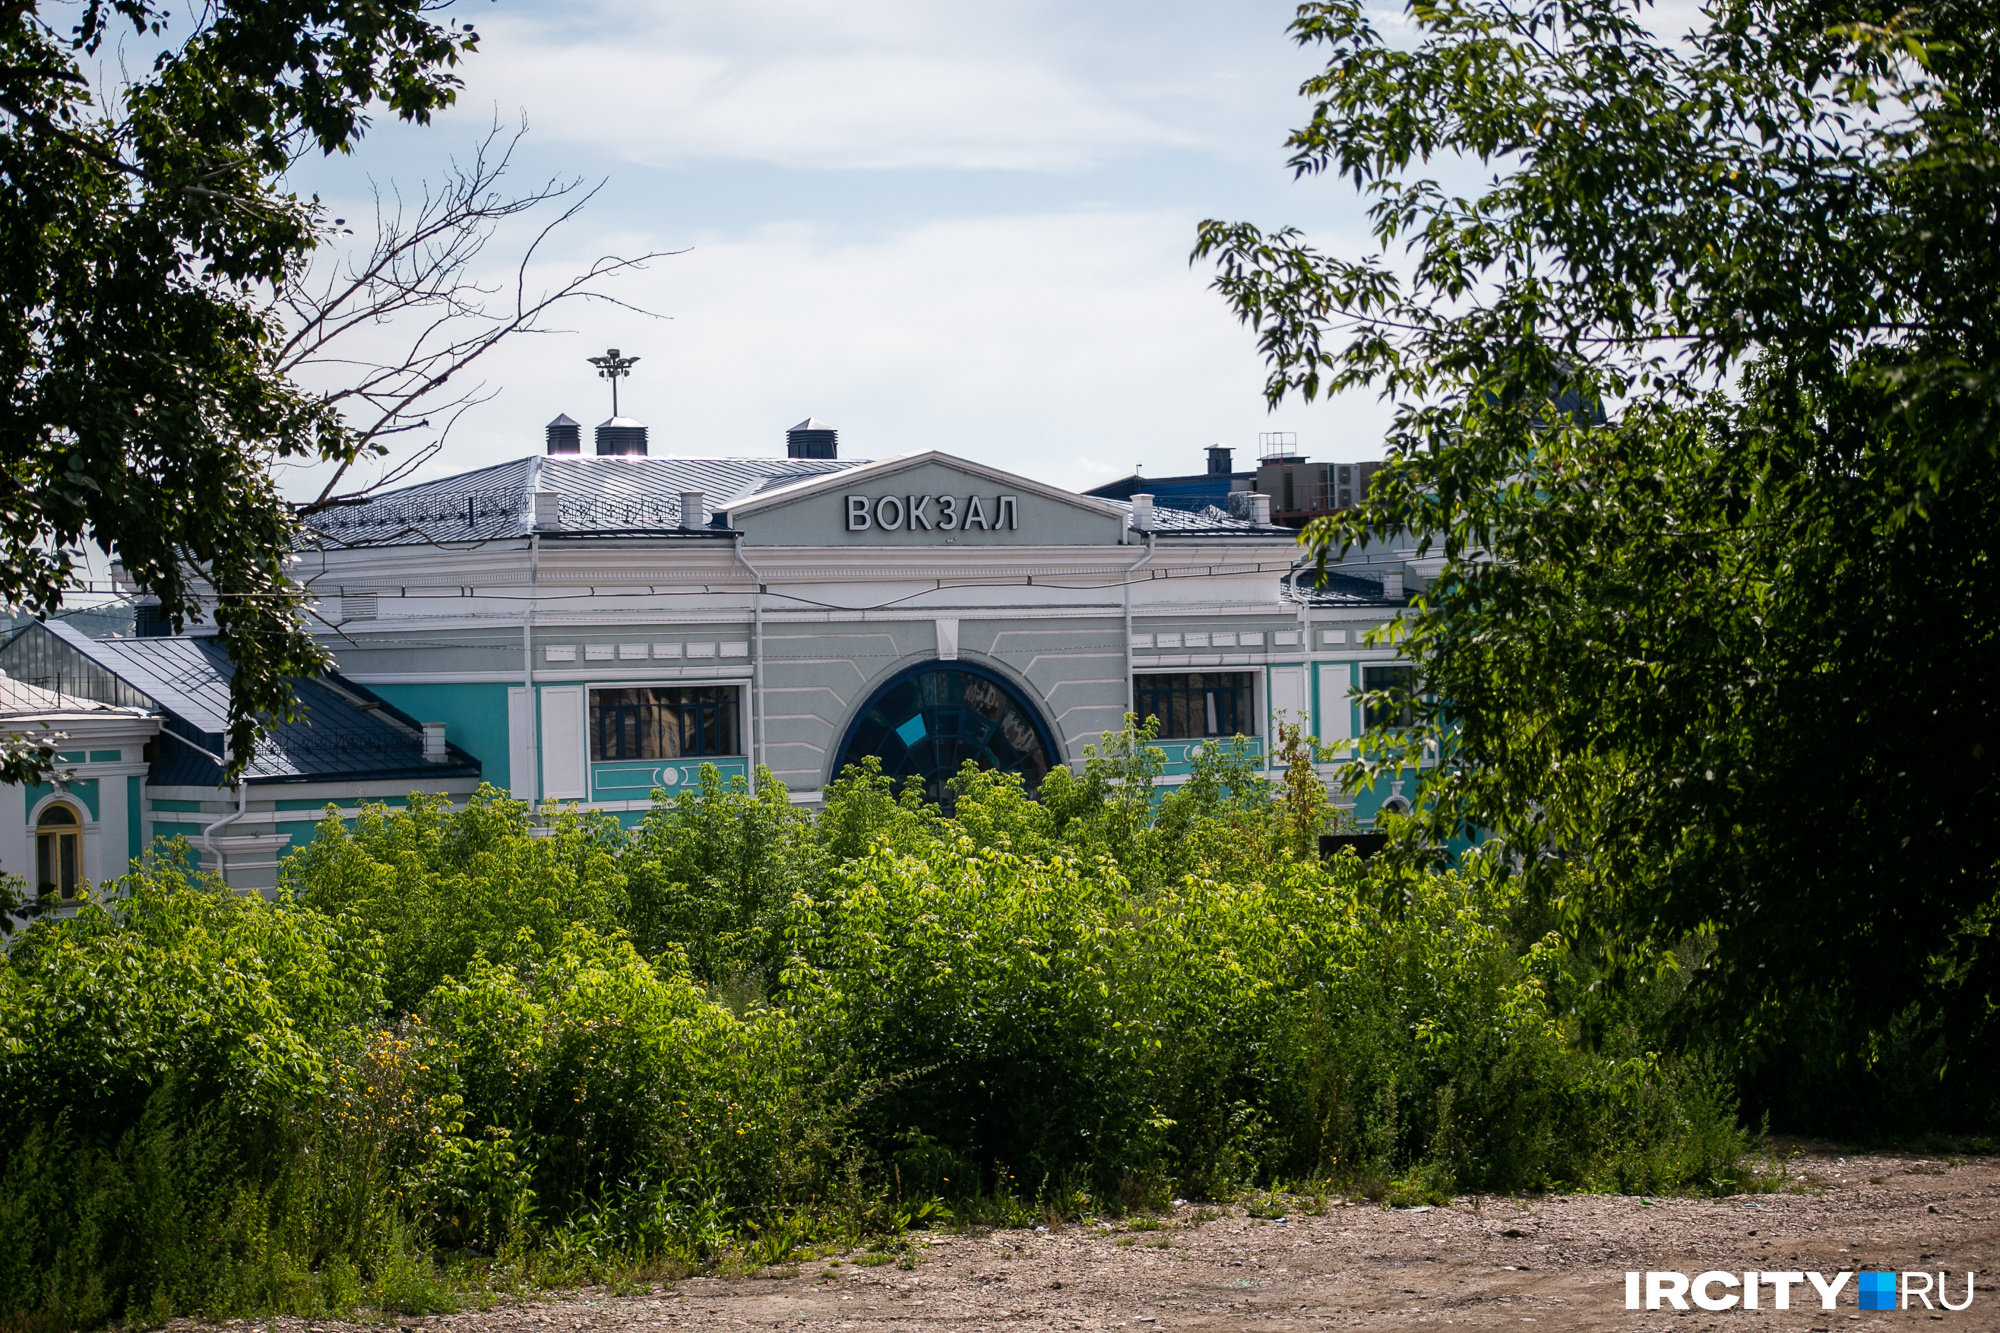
[(929, 499)]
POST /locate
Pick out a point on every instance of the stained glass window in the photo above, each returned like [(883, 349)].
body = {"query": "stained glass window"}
[(925, 723)]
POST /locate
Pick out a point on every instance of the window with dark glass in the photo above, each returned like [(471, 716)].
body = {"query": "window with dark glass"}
[(58, 852), (925, 723), (1400, 678), (657, 722), (1199, 703)]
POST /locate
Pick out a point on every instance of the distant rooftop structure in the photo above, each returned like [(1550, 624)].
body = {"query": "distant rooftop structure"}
[(565, 435), (812, 438), (1279, 446)]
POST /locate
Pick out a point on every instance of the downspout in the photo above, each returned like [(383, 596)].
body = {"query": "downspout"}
[(1131, 688), (528, 677), (1309, 672), (756, 664), (528, 644), (208, 834)]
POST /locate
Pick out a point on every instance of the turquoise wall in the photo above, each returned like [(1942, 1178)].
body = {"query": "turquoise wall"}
[(135, 842), (474, 717), (83, 789)]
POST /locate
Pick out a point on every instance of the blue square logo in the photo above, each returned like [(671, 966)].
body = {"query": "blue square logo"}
[(1878, 1290)]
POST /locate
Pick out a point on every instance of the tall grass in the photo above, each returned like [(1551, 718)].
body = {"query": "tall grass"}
[(460, 1049)]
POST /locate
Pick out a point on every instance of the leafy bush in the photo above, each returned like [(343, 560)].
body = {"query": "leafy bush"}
[(464, 1036)]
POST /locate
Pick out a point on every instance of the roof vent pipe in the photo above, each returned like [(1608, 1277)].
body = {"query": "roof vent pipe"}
[(1218, 460), (621, 437), (1142, 513), (812, 438), (434, 751), (694, 512), (1260, 508), (565, 436)]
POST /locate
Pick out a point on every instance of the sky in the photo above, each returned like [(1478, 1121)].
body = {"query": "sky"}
[(934, 226)]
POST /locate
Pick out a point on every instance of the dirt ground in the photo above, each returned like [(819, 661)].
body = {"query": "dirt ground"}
[(1556, 1263)]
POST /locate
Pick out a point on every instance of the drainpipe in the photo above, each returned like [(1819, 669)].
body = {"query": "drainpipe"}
[(1131, 690), (756, 664), (208, 834), (534, 776), (1309, 672), (242, 802)]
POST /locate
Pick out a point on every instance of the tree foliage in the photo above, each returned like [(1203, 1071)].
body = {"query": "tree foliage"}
[(142, 230), (1697, 399), (572, 1050)]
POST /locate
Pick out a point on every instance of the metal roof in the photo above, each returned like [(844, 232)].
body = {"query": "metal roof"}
[(20, 701), (597, 494), (1339, 590), (344, 731), (1209, 521)]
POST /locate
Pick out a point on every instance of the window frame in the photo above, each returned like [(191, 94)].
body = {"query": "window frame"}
[(730, 713), (68, 880), (1245, 706), (1385, 717)]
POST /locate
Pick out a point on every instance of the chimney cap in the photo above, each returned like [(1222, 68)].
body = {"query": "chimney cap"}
[(564, 419), (620, 421), (814, 423)]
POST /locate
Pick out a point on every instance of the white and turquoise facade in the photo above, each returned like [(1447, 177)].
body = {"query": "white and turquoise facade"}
[(589, 630), (595, 628)]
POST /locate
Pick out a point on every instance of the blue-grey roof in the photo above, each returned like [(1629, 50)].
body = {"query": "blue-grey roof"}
[(1337, 589), (1208, 521), (598, 495), (345, 732)]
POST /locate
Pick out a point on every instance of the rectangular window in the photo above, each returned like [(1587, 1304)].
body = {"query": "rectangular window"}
[(661, 722), (1381, 715), (1199, 703)]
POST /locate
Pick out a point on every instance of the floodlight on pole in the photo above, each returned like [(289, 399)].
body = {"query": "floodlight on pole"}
[(612, 366)]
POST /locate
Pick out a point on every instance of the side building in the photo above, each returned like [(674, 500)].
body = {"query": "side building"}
[(143, 725)]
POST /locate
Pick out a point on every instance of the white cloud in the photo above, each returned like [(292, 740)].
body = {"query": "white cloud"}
[(1068, 347), (871, 85)]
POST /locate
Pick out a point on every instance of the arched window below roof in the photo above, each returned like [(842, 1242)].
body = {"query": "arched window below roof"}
[(928, 720), (58, 851)]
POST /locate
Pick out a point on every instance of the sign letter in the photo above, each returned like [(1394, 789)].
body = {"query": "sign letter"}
[(1668, 1287), (975, 514), (1007, 518), (857, 513), (883, 508), (920, 512), (1782, 1283), (949, 521), (1828, 1290), (1705, 1299)]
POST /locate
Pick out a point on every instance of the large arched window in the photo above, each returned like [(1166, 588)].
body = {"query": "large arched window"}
[(58, 852), (927, 721)]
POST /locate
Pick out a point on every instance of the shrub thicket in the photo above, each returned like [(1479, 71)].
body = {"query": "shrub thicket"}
[(458, 1038)]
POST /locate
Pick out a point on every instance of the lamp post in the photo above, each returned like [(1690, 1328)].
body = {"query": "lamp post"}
[(611, 366)]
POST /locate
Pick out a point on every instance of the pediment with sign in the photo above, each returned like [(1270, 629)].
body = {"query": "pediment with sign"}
[(927, 499)]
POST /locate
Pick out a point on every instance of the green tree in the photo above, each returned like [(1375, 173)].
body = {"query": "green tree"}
[(141, 235), (1696, 398)]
